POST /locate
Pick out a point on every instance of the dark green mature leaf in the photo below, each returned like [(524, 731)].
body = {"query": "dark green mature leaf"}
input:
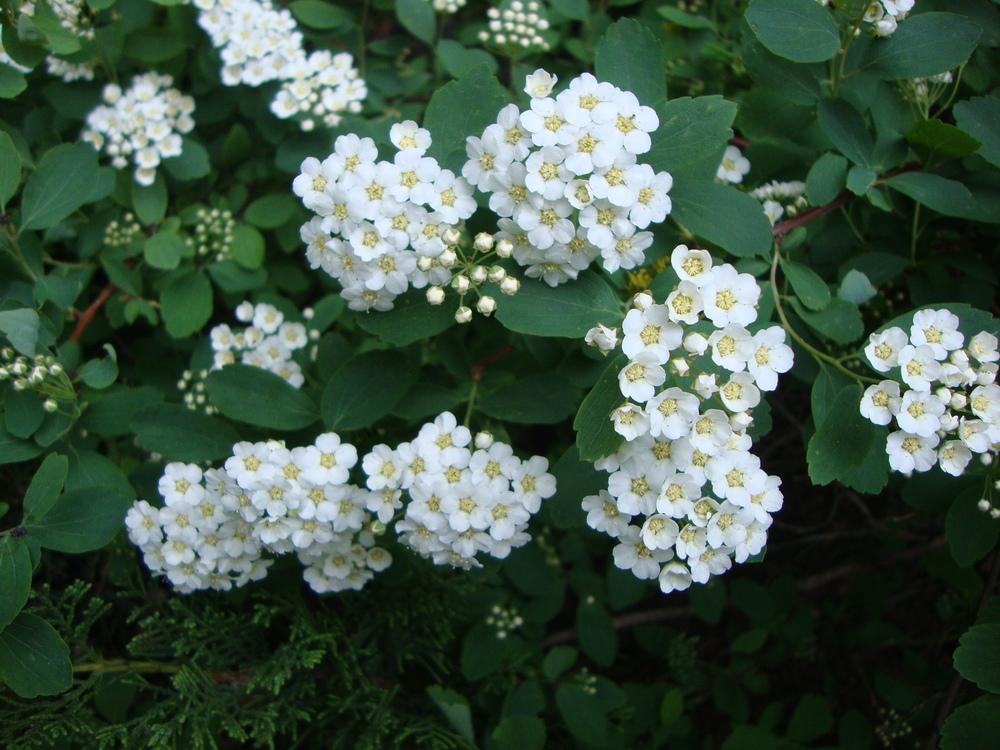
[(595, 432), (948, 197), (192, 163), (519, 732), (109, 414), (826, 178), (164, 250), (545, 398), (799, 30), (150, 202), (724, 216), (840, 321), (318, 14), (682, 18), (271, 211), (455, 709), (568, 311), (811, 719), (186, 304), (979, 116), (23, 413), (942, 139), (692, 136), (459, 109), (841, 440), (411, 319), (34, 660), (180, 434), (64, 180), (630, 56), (15, 578), (248, 246), (970, 535), (798, 83), (417, 17), (12, 82), (14, 449), (100, 373), (583, 714), (596, 632), (807, 284), (973, 726), (45, 485), (457, 59), (575, 480), (977, 657), (80, 520), (384, 375), (21, 329), (10, 169), (259, 397), (855, 287), (846, 129), (927, 44)]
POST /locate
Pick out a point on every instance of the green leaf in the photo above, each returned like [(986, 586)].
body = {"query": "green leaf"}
[(318, 14), (21, 329), (724, 216), (155, 45), (799, 30), (63, 181), (568, 311), (840, 321), (978, 116), (344, 405), (595, 432), (150, 202), (45, 485), (23, 413), (860, 179), (455, 709), (457, 59), (943, 139), (945, 196), (558, 660), (977, 657), (186, 304), (682, 18), (100, 373), (164, 250), (459, 109), (14, 449), (259, 397), (811, 719), (191, 164), (544, 398), (846, 129), (855, 287), (12, 82), (417, 17), (575, 479), (271, 211), (971, 535), (671, 707), (34, 660), (180, 434), (109, 414), (15, 578), (248, 246), (925, 45), (973, 726), (519, 732), (411, 319), (826, 178), (692, 136), (596, 632), (630, 56), (10, 168), (841, 440), (583, 714), (80, 520), (807, 284)]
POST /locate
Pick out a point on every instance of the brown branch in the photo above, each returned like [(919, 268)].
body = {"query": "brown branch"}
[(88, 315), (479, 367)]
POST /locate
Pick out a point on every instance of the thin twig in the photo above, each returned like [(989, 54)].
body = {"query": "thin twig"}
[(88, 315)]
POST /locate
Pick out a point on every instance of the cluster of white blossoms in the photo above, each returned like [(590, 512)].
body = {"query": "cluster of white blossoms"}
[(885, 15), (781, 198), (382, 227), (216, 526), (517, 25), (686, 495), (733, 167), (191, 385), (260, 43), (948, 406), (74, 17), (213, 233), (41, 374), (142, 124), (447, 6), (466, 495), (504, 620), (269, 342), (565, 179), (122, 232)]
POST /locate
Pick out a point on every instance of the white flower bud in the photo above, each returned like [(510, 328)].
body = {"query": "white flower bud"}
[(451, 236), (987, 374), (995, 513), (486, 305), (695, 343), (642, 301), (55, 369), (602, 337), (448, 258), (943, 394), (461, 283), (36, 376), (680, 365), (958, 401), (984, 505), (949, 421), (244, 312), (478, 274), (19, 368), (435, 295), (308, 313), (505, 248), (986, 458), (425, 263), (484, 440), (740, 421), (497, 274), (463, 314), (483, 242), (50, 405), (510, 285), (705, 385), (20, 384)]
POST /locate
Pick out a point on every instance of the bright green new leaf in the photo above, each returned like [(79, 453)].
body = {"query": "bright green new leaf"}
[(63, 182), (259, 397), (186, 304), (193, 162), (45, 485), (630, 56), (802, 31), (34, 660), (248, 246), (164, 250), (15, 578)]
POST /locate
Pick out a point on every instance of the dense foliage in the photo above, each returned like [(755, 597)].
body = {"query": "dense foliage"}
[(217, 296)]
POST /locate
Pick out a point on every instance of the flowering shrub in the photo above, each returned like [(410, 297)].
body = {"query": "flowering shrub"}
[(506, 374)]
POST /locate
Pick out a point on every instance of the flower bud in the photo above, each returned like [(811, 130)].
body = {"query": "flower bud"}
[(695, 343), (642, 300), (50, 405), (943, 394), (308, 313), (377, 528), (486, 305), (995, 513), (705, 385), (505, 248), (463, 314), (244, 313), (484, 440), (19, 368), (451, 236), (986, 458), (948, 422), (497, 274), (984, 505), (478, 274), (740, 421), (460, 283), (20, 384), (425, 263), (448, 258), (958, 401), (36, 376), (435, 295), (602, 337), (680, 365), (484, 242), (510, 285)]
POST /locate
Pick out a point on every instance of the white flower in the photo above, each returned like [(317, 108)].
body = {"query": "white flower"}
[(983, 346), (920, 413), (631, 554), (937, 329), (771, 357), (880, 402), (603, 514), (908, 453), (651, 332), (883, 348), (630, 421), (671, 413), (692, 264), (732, 347), (539, 84), (739, 393), (675, 576), (602, 337), (638, 380), (407, 135), (734, 166), (918, 366), (730, 296), (953, 457)]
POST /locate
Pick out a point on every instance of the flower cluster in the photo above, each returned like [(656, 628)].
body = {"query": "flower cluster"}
[(517, 26), (447, 6), (143, 124), (215, 526), (74, 17), (686, 494), (41, 374), (948, 406), (260, 43), (213, 233), (885, 15), (733, 167), (191, 384), (565, 178), (781, 198), (121, 233), (269, 342), (465, 496), (504, 620)]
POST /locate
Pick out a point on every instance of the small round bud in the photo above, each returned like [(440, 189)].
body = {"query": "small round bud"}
[(377, 528), (984, 505), (463, 314), (484, 242), (448, 258), (740, 421), (451, 236), (55, 369), (425, 263), (19, 368), (995, 513), (958, 401), (478, 274), (484, 440), (435, 295), (4, 373), (642, 300), (986, 458), (497, 274), (510, 285), (486, 305), (244, 313), (680, 365), (308, 313), (505, 248), (943, 394), (20, 384), (695, 343), (50, 405), (36, 376), (461, 283)]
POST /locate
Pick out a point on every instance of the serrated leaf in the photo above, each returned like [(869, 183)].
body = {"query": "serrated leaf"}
[(34, 660), (925, 45), (978, 116), (63, 182), (973, 726), (631, 57), (595, 432), (802, 31), (977, 657), (692, 136)]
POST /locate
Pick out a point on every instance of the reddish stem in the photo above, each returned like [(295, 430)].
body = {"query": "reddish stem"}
[(479, 367), (88, 315)]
